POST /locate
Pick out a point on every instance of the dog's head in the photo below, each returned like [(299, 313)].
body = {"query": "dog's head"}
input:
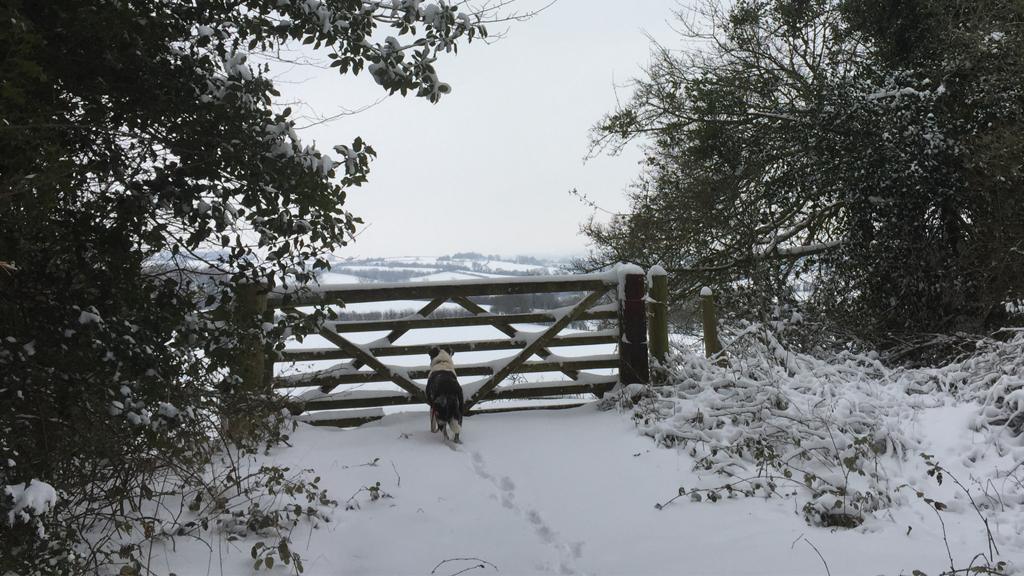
[(436, 350), (441, 358)]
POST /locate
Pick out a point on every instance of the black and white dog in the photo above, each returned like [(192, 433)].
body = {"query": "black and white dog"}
[(444, 394)]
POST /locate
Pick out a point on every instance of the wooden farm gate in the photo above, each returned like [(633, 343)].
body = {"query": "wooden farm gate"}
[(618, 296)]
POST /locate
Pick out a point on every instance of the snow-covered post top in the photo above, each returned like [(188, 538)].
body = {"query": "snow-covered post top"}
[(633, 364), (707, 303), (655, 271), (657, 311)]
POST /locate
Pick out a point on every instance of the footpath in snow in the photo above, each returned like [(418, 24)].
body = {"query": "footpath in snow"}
[(574, 492)]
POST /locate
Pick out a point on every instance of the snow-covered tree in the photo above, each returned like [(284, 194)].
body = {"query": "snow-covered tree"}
[(140, 144), (872, 148)]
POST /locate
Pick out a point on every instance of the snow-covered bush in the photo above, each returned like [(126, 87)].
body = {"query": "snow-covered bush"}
[(828, 430), (233, 496), (772, 421), (992, 375), (29, 503)]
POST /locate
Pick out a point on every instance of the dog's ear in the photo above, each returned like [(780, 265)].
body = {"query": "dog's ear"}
[(448, 349), (433, 352)]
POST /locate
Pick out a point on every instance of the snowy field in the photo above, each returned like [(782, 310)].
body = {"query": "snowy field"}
[(574, 492)]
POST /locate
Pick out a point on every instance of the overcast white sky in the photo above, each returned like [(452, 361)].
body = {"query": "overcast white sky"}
[(489, 168)]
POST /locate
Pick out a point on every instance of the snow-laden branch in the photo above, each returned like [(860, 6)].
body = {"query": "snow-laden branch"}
[(808, 249)]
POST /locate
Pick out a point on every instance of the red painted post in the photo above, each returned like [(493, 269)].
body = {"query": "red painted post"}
[(633, 363)]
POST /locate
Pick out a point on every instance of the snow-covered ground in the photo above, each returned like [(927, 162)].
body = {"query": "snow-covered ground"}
[(574, 492)]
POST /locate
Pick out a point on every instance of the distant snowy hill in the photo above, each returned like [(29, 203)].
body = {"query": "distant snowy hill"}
[(465, 265)]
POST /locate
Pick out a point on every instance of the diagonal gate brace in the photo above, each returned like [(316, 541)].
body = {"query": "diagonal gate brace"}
[(356, 363), (507, 329), (536, 345), (368, 359)]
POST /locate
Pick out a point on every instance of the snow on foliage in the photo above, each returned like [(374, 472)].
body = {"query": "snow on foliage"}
[(31, 501), (87, 317), (834, 431), (993, 377)]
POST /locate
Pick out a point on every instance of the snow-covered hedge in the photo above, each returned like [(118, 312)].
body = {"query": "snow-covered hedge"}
[(993, 376), (777, 422)]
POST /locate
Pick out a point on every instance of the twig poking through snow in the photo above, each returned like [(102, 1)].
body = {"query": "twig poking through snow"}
[(482, 564), (811, 544), (371, 463), (397, 475)]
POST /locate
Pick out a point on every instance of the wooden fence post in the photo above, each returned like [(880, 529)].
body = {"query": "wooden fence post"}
[(633, 363), (250, 362), (712, 345), (657, 308)]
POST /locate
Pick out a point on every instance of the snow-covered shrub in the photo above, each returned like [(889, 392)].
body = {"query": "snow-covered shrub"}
[(823, 428), (993, 376), (232, 497), (27, 505), (775, 422), (267, 503)]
